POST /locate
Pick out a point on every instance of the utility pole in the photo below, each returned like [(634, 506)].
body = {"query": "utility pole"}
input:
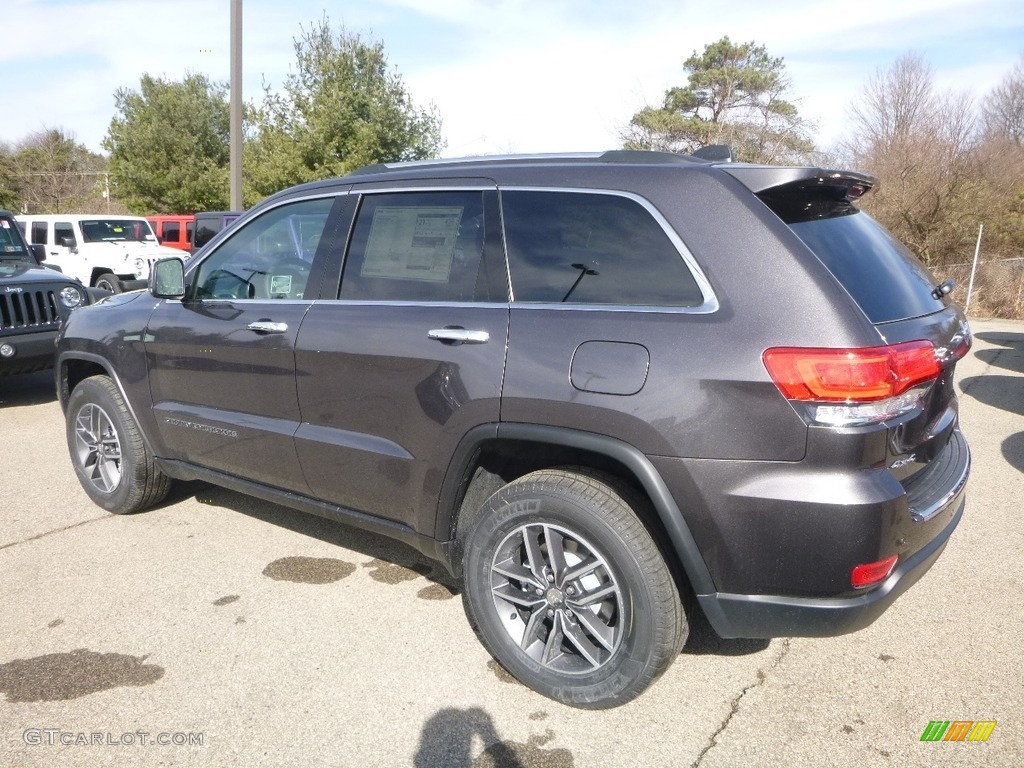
[(236, 105)]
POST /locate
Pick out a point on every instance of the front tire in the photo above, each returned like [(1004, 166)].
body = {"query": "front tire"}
[(108, 282), (110, 458), (567, 589)]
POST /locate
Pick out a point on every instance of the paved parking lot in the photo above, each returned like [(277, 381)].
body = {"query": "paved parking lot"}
[(221, 630)]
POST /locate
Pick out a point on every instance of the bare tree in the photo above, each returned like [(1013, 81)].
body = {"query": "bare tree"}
[(1003, 108), (55, 174), (920, 143)]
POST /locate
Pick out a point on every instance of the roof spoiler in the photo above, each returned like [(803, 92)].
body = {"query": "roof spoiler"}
[(762, 178)]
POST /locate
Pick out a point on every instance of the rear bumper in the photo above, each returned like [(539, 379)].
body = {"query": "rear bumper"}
[(763, 616)]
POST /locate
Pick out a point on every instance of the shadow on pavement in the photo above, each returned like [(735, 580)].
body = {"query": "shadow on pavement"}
[(998, 391), (447, 739), (1002, 338), (1010, 355), (27, 389), (1013, 450), (704, 641)]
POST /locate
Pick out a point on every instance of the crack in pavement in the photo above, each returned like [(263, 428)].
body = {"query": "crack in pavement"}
[(734, 705), (55, 530)]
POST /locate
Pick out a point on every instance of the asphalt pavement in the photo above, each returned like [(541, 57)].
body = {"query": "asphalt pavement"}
[(219, 630)]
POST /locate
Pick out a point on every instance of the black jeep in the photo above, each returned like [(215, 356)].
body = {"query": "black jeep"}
[(34, 301)]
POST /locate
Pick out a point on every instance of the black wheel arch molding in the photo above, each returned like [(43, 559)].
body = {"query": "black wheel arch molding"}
[(464, 462), (60, 370)]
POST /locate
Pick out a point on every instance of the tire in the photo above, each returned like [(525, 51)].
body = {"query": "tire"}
[(585, 539), (110, 458), (108, 282)]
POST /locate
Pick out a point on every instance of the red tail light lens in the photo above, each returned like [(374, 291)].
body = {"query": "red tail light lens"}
[(869, 574), (860, 375)]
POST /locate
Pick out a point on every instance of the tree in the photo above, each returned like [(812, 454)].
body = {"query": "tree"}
[(920, 143), (1002, 161), (1003, 107), (169, 145), (9, 197), (343, 107), (55, 174), (736, 95)]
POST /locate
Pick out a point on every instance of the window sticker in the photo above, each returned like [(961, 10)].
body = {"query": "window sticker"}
[(280, 284), (412, 243)]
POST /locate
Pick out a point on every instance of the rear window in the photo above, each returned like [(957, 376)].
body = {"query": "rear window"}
[(591, 248), (884, 278)]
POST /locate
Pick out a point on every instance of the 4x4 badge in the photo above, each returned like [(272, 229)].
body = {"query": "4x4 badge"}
[(904, 461)]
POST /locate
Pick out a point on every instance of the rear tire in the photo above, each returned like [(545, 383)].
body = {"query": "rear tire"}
[(108, 282), (567, 589), (111, 460)]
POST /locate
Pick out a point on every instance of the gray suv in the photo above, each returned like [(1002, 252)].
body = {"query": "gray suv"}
[(606, 391)]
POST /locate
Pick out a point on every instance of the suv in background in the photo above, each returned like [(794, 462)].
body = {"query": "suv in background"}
[(209, 223), (106, 251), (174, 231), (603, 390), (34, 301)]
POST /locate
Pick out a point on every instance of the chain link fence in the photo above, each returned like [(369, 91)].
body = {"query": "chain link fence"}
[(998, 287)]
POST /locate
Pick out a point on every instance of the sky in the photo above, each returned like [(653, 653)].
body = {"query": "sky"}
[(506, 76)]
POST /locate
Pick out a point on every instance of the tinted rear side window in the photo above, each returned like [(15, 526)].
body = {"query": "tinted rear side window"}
[(884, 278), (587, 248)]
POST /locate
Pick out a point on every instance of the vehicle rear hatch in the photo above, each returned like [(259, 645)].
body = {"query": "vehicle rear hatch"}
[(926, 453)]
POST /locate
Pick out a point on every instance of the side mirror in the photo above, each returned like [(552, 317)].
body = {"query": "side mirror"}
[(69, 242), (39, 251), (167, 279)]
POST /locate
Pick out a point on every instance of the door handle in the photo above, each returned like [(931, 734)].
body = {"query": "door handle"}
[(265, 326), (458, 336)]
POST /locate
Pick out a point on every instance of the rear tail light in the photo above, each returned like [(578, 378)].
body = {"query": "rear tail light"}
[(869, 574), (849, 387)]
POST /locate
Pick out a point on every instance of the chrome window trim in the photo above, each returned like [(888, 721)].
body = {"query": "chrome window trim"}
[(710, 303)]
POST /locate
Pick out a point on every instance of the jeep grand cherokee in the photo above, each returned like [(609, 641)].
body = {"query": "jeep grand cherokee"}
[(592, 386)]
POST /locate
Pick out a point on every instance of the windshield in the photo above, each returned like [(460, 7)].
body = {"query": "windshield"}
[(117, 230), (12, 246)]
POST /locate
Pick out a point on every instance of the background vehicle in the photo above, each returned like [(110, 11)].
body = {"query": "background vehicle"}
[(593, 386), (104, 251), (209, 223), (174, 231), (34, 301)]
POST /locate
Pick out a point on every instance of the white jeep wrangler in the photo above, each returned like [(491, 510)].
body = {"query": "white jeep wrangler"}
[(106, 251)]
